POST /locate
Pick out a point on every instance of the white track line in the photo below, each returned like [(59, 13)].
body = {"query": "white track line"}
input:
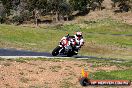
[(17, 57)]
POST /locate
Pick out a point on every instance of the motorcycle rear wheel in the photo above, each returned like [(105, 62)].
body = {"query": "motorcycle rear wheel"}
[(70, 54)]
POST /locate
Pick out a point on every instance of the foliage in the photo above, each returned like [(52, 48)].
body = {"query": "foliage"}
[(17, 19), (57, 8), (80, 5), (26, 15), (124, 5), (2, 19), (65, 9), (7, 4), (36, 4)]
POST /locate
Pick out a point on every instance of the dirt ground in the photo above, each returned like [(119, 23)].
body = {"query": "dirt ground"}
[(45, 74)]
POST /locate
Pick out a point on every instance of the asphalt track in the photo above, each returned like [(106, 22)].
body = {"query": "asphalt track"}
[(13, 54), (23, 53)]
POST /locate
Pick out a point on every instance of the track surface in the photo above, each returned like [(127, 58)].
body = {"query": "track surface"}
[(12, 53)]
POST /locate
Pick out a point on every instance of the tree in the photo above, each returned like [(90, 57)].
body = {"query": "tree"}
[(7, 4), (35, 6), (65, 10), (80, 5), (59, 8), (124, 5), (96, 4)]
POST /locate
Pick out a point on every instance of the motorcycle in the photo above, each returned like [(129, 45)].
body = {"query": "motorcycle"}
[(65, 47)]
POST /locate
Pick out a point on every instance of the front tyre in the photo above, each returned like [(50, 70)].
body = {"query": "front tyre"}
[(55, 52)]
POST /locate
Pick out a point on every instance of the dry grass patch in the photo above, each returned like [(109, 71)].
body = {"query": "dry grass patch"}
[(55, 68), (6, 64), (24, 80)]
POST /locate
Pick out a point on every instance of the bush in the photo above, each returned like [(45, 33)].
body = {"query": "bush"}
[(26, 15), (17, 19), (2, 19)]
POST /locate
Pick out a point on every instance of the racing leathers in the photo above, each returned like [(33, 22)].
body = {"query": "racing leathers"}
[(76, 41), (79, 43)]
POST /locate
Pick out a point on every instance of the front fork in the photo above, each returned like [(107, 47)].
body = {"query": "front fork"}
[(61, 50)]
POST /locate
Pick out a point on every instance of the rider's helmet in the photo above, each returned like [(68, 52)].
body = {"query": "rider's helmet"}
[(79, 34)]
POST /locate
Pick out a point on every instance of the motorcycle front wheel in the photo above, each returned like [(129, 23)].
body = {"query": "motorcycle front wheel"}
[(55, 52)]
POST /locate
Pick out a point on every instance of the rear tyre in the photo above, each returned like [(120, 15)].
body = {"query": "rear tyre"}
[(70, 54), (55, 52)]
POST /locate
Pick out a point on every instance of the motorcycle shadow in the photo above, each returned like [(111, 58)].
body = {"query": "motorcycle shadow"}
[(79, 56)]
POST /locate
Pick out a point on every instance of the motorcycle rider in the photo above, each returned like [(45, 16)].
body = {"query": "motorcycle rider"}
[(79, 41), (77, 38)]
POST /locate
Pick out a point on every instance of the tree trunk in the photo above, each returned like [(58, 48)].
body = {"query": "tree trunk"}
[(67, 18), (36, 17), (57, 16)]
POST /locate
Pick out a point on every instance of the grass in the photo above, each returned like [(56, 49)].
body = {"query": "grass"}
[(95, 62), (104, 62), (118, 74), (26, 38), (36, 59), (112, 27), (55, 68), (20, 60), (24, 80), (7, 64), (119, 41), (66, 84), (106, 26), (122, 74), (38, 86), (2, 59), (96, 44)]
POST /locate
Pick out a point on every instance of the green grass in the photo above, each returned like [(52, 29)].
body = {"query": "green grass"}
[(95, 62), (118, 74), (109, 39), (123, 74), (109, 26), (28, 38), (96, 44), (106, 26)]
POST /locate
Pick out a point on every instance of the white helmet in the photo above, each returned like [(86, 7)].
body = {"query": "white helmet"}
[(79, 34)]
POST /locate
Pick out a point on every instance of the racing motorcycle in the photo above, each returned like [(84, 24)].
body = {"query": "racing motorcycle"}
[(65, 47)]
